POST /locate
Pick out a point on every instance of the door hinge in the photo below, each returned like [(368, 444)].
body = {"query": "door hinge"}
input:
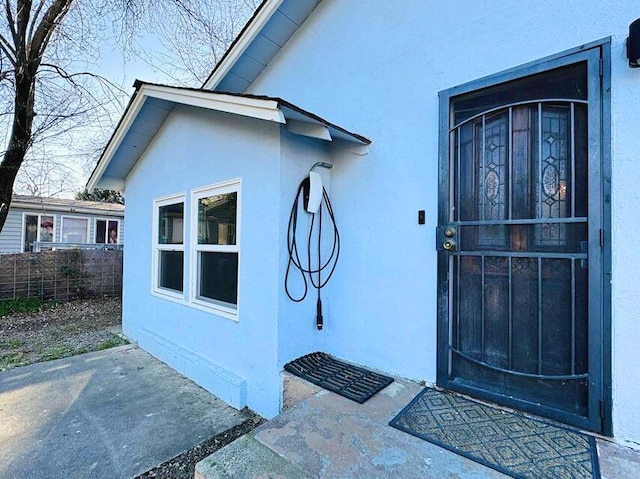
[(601, 237), (601, 67), (601, 409)]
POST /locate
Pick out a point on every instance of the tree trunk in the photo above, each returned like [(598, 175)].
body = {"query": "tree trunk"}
[(19, 141)]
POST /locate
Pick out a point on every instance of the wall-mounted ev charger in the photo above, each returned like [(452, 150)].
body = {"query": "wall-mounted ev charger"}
[(315, 200), (312, 192)]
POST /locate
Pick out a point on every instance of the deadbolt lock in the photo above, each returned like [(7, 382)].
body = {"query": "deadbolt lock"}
[(449, 245), (450, 232)]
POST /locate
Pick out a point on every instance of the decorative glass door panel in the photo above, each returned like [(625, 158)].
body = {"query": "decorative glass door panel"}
[(517, 244)]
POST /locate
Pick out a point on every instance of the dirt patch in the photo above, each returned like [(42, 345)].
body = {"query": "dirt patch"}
[(184, 465), (59, 330)]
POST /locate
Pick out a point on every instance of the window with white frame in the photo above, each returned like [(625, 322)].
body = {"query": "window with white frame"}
[(107, 231), (215, 246), (168, 275), (37, 228), (74, 230)]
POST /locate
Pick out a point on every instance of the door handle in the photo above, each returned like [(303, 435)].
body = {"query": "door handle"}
[(445, 238), (449, 245)]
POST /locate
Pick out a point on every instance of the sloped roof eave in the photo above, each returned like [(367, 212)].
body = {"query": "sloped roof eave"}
[(254, 106)]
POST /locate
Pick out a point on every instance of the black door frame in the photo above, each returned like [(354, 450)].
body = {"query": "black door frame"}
[(599, 198)]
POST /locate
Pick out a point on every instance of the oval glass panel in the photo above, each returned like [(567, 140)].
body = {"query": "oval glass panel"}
[(491, 185), (550, 180)]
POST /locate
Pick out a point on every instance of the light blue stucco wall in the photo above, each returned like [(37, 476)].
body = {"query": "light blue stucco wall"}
[(297, 333), (378, 71), (237, 360)]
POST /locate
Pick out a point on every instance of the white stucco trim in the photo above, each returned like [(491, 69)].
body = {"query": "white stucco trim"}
[(224, 383), (242, 43)]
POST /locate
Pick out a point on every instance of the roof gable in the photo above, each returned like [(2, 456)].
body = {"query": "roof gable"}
[(272, 25), (151, 104)]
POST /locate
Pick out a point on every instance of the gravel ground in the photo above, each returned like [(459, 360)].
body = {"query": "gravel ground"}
[(59, 330), (183, 466)]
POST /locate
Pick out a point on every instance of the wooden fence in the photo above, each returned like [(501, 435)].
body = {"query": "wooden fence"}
[(61, 274)]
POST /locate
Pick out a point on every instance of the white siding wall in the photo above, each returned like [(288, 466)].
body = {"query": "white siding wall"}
[(12, 233)]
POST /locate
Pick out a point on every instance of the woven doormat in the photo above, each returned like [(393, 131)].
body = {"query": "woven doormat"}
[(510, 443), (352, 382)]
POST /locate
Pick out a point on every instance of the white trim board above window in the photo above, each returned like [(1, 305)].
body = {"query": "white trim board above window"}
[(215, 247), (168, 246)]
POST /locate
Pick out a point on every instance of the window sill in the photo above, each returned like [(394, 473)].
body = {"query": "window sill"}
[(211, 308), (214, 308), (170, 295)]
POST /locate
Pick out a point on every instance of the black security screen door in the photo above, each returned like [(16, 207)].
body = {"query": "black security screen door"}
[(515, 243)]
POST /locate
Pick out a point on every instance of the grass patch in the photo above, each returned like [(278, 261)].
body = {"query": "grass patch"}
[(14, 343), (60, 351), (13, 359), (63, 350), (22, 305), (111, 343)]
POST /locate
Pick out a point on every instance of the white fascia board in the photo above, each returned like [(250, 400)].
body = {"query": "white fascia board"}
[(256, 26), (312, 130), (251, 107), (117, 138)]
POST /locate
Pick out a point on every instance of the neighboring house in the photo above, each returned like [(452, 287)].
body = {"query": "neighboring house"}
[(34, 222), (487, 230)]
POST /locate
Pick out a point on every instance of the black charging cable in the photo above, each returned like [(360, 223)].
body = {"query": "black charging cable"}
[(294, 257)]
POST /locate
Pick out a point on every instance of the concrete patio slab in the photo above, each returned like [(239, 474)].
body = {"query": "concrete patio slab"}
[(328, 436), (247, 458), (110, 414)]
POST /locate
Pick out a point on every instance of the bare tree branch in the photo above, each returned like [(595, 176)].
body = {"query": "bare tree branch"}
[(35, 16), (56, 110), (8, 50), (54, 15), (11, 22), (70, 76)]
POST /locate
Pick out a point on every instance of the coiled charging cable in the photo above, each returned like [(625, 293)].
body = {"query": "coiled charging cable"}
[(314, 274)]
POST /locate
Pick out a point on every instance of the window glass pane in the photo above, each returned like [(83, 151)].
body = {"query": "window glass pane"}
[(171, 267), (30, 231), (219, 277), (101, 231), (171, 222), (74, 230), (46, 229), (113, 232), (217, 219)]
